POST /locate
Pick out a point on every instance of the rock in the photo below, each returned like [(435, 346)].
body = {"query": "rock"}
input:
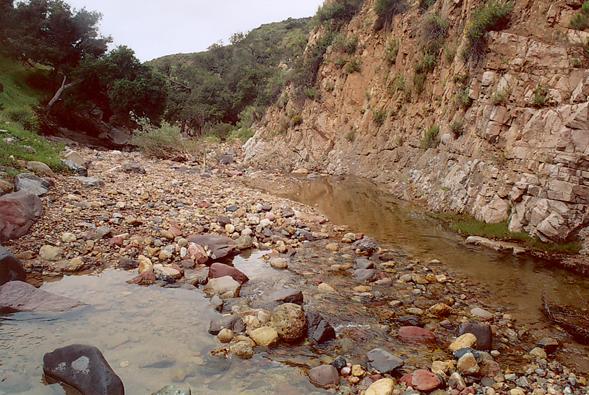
[(324, 376), (318, 329), (182, 389), (232, 322), (264, 336), (18, 212), (217, 303), (146, 278), (79, 170), (381, 387), (242, 349), (225, 335), (549, 344), (10, 268), (244, 242), (279, 263), (538, 353), (226, 287), (50, 253), (127, 263), (40, 168), (464, 341), (289, 321), (382, 361), (68, 237), (467, 364), (422, 380), (363, 275), (32, 184), (133, 168), (481, 313), (75, 157), (363, 263), (326, 288), (226, 159), (219, 247), (456, 381), (221, 270), (366, 245), (482, 332), (287, 295), (197, 253), (18, 296), (440, 310), (145, 264), (166, 273), (339, 363), (5, 187), (415, 334), (90, 182), (83, 368)]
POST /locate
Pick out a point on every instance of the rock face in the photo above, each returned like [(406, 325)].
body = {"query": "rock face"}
[(218, 247), (10, 268), (83, 368), (515, 151), (17, 296), (18, 212), (289, 321)]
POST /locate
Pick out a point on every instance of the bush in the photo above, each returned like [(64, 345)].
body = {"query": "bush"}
[(398, 84), (386, 10), (347, 45), (419, 82), (500, 97), (339, 11), (296, 120), (463, 98), (311, 93), (431, 137), (350, 136), (580, 21), (163, 142), (306, 69), (450, 53), (493, 16), (25, 117), (457, 128), (379, 117), (540, 97), (353, 66), (434, 31), (427, 64), (392, 50), (425, 4)]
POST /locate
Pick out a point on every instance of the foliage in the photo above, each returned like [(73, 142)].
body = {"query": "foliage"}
[(450, 53), (338, 11), (419, 82), (347, 45), (500, 97), (307, 67), (457, 128), (580, 21), (379, 116), (311, 93), (353, 66), (398, 84), (425, 4), (431, 137), (392, 50), (463, 98), (540, 97), (27, 146), (163, 142), (434, 31), (494, 15), (386, 10)]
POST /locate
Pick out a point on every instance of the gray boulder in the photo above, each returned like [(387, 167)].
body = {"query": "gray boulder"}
[(31, 183), (18, 212)]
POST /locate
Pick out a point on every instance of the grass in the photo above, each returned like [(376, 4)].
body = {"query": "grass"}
[(353, 66), (457, 128), (28, 146), (540, 97), (392, 50), (580, 21), (494, 15), (500, 97), (468, 226), (379, 117), (431, 137), (166, 141)]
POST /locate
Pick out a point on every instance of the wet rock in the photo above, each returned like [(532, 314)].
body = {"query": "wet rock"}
[(366, 245), (219, 247), (17, 296), (83, 368), (221, 270), (383, 361), (318, 329), (415, 334), (232, 322), (363, 275), (409, 320), (279, 263), (467, 364), (32, 184), (217, 303), (226, 287), (166, 273), (18, 212), (290, 322), (242, 349), (287, 295), (264, 336), (158, 361), (198, 277), (225, 335), (549, 344), (90, 182), (182, 389), (10, 267), (363, 263), (244, 242), (464, 341), (339, 363), (50, 253), (324, 376), (422, 380), (482, 332), (381, 387)]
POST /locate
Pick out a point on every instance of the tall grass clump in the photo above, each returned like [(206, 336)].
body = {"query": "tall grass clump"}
[(163, 142)]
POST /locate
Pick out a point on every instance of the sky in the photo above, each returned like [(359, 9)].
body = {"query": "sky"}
[(154, 28)]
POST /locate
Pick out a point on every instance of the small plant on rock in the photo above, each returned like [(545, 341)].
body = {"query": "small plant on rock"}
[(457, 128), (540, 97), (500, 97), (431, 137), (353, 66), (580, 21), (379, 117), (392, 50), (493, 16)]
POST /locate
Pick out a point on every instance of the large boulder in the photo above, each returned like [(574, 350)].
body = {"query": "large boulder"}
[(221, 270), (217, 247), (31, 183), (17, 296), (290, 322), (10, 268), (18, 212), (83, 368)]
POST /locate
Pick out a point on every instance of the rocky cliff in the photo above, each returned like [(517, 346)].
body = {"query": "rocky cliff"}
[(503, 139)]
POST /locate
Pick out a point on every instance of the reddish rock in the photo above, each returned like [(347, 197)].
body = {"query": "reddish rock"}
[(422, 380), (145, 278), (17, 296), (324, 376), (18, 212), (197, 254), (219, 247), (415, 334), (220, 270)]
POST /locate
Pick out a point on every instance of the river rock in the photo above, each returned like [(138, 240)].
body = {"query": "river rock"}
[(40, 168), (18, 212), (287, 295), (32, 184), (221, 270), (481, 314), (197, 254), (90, 182), (18, 296), (83, 368), (464, 341), (5, 187), (422, 380), (318, 329), (363, 275), (415, 334), (381, 387), (482, 332), (226, 287), (50, 253), (74, 167), (232, 322), (324, 376), (242, 349), (219, 247), (289, 321), (366, 245), (549, 344), (467, 364), (265, 336), (225, 335), (176, 389), (383, 361), (10, 267), (279, 263), (166, 273)]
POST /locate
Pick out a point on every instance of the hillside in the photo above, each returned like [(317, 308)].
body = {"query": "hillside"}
[(471, 107)]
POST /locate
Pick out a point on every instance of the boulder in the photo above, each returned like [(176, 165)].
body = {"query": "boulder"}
[(218, 247), (10, 268), (221, 270), (289, 321), (83, 368), (482, 332), (383, 361), (18, 212), (318, 329), (226, 287), (287, 295), (31, 183), (324, 376), (17, 296)]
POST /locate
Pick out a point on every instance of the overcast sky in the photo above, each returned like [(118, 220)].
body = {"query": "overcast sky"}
[(155, 28)]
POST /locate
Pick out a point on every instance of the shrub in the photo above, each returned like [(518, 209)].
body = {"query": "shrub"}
[(427, 64), (434, 31), (296, 120), (425, 4), (398, 84), (500, 97), (163, 142), (392, 50), (311, 93), (450, 53), (419, 82), (463, 98), (307, 67), (338, 11), (340, 63), (386, 10), (457, 128), (25, 117), (580, 21), (431, 137), (350, 136), (540, 97), (493, 16), (379, 117), (353, 66), (347, 45)]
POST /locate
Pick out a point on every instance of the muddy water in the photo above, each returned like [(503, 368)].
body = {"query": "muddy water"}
[(150, 336)]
